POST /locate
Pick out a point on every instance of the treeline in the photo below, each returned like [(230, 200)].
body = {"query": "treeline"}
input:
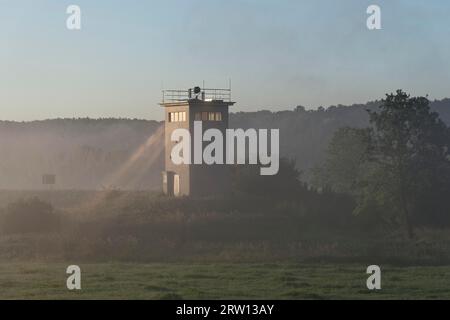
[(398, 168), (84, 152)]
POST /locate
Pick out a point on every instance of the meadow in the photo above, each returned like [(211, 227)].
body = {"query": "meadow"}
[(221, 281), (135, 245)]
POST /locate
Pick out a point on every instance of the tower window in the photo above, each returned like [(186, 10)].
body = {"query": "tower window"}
[(208, 116), (177, 116)]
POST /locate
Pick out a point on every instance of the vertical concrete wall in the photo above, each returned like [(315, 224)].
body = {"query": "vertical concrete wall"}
[(210, 180), (198, 179), (182, 170)]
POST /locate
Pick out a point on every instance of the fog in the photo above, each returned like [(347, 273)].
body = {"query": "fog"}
[(83, 154)]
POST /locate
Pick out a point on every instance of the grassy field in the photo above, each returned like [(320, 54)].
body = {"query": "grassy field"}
[(221, 281), (140, 227)]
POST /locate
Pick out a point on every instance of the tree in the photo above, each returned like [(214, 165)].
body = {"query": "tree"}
[(346, 161), (399, 168), (411, 146)]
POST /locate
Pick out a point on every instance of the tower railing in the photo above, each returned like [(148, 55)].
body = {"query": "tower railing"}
[(204, 94)]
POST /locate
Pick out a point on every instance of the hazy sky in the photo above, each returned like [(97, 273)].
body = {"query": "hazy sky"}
[(279, 54)]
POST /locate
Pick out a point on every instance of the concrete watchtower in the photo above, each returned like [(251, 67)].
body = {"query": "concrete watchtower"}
[(182, 108)]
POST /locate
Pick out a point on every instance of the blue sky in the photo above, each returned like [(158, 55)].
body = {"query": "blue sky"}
[(278, 53)]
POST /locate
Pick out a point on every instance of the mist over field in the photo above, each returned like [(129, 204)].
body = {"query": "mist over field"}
[(86, 154), (82, 153)]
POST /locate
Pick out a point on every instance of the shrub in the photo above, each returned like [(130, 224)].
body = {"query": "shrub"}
[(30, 216)]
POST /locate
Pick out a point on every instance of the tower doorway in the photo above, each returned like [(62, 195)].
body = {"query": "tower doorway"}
[(176, 185)]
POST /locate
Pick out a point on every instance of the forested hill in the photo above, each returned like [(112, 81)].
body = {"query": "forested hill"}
[(304, 135), (127, 154)]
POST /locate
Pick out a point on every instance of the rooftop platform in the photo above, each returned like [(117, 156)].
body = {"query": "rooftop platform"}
[(196, 94)]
